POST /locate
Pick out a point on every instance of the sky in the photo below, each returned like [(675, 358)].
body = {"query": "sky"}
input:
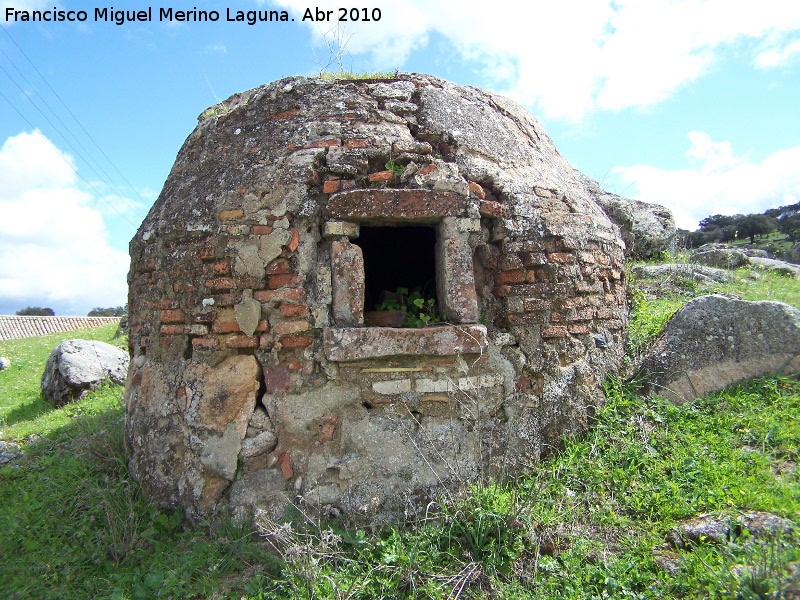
[(692, 104)]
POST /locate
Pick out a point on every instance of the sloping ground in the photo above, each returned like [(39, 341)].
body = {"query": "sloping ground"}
[(16, 327)]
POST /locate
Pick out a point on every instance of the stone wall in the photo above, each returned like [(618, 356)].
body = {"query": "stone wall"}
[(254, 380)]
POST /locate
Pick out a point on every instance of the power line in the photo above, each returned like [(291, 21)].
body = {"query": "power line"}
[(90, 161), (80, 125), (66, 162)]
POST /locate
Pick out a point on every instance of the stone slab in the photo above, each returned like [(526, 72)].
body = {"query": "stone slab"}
[(357, 343)]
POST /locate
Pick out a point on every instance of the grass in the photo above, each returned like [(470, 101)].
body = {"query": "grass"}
[(590, 523), (653, 302), (355, 76)]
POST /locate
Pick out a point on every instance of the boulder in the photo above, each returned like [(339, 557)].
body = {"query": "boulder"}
[(646, 228), (719, 255), (4, 363), (716, 340), (76, 366), (695, 272), (779, 266), (794, 254)]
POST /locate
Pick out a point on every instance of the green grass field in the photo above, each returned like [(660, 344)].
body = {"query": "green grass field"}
[(590, 523)]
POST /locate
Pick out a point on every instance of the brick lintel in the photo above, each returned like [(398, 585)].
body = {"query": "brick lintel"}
[(387, 206)]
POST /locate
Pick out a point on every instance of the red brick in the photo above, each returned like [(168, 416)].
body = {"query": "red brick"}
[(490, 208), (554, 331), (476, 189), (285, 463), (172, 316), (222, 268), (262, 326), (515, 276), (561, 257), (578, 329), (525, 319), (280, 295), (227, 215), (166, 304), (605, 313), (278, 266), (261, 230), (287, 280), (295, 241), (587, 314), (174, 329), (241, 191), (329, 187), (225, 327), (557, 317), (293, 310), (220, 283), (356, 143), (533, 304), (427, 169), (286, 327), (296, 341), (266, 340), (322, 144), (524, 383), (295, 365), (287, 114), (381, 176), (182, 287), (243, 341), (313, 179), (207, 252)]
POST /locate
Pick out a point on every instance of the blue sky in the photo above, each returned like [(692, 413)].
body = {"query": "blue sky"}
[(692, 104)]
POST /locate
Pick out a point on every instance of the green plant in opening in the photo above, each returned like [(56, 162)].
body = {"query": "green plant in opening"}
[(420, 310), (394, 168)]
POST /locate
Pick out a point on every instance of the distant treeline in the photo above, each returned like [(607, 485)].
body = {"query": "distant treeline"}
[(729, 228)]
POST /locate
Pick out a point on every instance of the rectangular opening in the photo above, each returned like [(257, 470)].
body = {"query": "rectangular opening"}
[(397, 257)]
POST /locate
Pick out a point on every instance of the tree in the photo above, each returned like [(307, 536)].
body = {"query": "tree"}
[(719, 222), (754, 225), (111, 311), (789, 224), (36, 311)]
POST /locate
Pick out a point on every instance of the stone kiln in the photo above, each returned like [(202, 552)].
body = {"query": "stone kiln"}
[(255, 381)]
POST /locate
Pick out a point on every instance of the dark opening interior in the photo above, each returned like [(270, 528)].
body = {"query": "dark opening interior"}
[(397, 257)]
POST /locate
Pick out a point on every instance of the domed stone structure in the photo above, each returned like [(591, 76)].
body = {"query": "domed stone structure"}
[(297, 208)]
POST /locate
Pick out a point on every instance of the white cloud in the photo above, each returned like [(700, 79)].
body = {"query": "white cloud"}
[(778, 56), (718, 183), (54, 249), (571, 57)]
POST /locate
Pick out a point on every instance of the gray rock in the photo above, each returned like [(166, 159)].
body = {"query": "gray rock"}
[(794, 254), (709, 529), (646, 228), (715, 340), (762, 524), (76, 366), (716, 255), (261, 444), (779, 266), (9, 452), (696, 272), (4, 363)]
